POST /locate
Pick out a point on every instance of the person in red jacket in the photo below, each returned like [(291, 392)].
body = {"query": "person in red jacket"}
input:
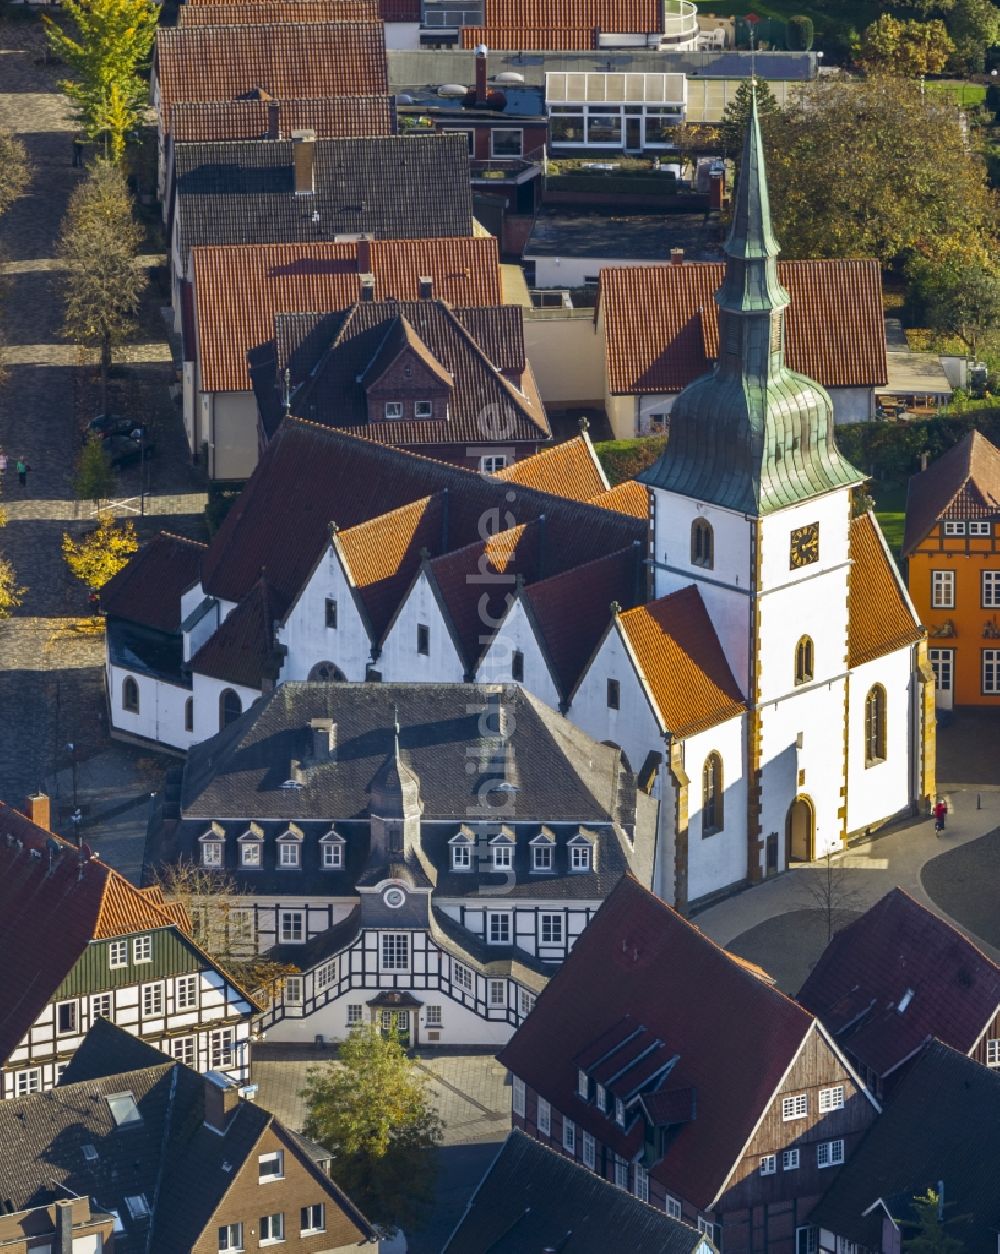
[(940, 810)]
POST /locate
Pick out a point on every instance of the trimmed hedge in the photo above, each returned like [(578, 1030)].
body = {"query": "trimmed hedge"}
[(800, 33), (624, 459), (890, 452), (663, 184)]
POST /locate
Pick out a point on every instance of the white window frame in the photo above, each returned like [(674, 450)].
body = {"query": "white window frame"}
[(186, 992), (620, 1112), (769, 1165), (525, 1002), (829, 1154), (97, 1003), (991, 668), (503, 857), (600, 1098), (275, 1225), (579, 858), (980, 528), (392, 411), (569, 1136), (333, 855), (118, 954), (583, 1085), (250, 852), (394, 951), (289, 853), (831, 1099), (517, 1096), (355, 1014), (462, 977), (211, 853), (795, 1106), (543, 1117), (790, 1160), (942, 589), (672, 1207), (429, 406), (991, 589), (993, 1051), (461, 856), (240, 920), (499, 927), (621, 1172), (272, 1159), (555, 924), (293, 992), (492, 463), (943, 665), (589, 1151), (222, 1045), (506, 130), (27, 1081), (231, 1238), (75, 1007), (312, 1228), (541, 857), (182, 1049), (434, 1015), (952, 527), (640, 1183), (497, 994), (152, 996), (142, 949), (291, 932)]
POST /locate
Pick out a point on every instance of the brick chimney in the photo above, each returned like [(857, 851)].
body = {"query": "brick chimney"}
[(677, 256), (38, 808), (324, 739), (715, 189), (273, 119), (304, 157), (426, 287), (220, 1099), (364, 256), (482, 60)]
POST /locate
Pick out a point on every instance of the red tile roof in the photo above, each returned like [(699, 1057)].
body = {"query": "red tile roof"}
[(54, 900), (399, 10), (639, 958), (880, 618), (532, 39), (148, 590), (275, 12), (682, 662), (335, 117), (962, 483), (629, 497), (662, 328), (224, 62), (570, 469), (572, 610), (240, 289), (898, 976)]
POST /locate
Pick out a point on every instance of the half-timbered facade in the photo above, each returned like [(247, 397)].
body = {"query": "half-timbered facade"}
[(731, 1109), (427, 874), (81, 943)]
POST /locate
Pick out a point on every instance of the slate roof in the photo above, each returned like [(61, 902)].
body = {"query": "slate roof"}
[(662, 325), (942, 1125), (639, 958), (533, 1198), (682, 663), (243, 192), (241, 650), (331, 117), (309, 475), (275, 12), (962, 483), (330, 377), (169, 1156), (239, 291), (881, 618), (225, 62), (569, 469), (859, 986), (148, 590), (54, 900)]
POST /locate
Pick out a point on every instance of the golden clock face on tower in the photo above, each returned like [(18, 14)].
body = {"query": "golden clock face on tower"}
[(804, 548)]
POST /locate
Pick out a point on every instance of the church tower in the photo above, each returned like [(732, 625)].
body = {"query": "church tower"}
[(752, 503)]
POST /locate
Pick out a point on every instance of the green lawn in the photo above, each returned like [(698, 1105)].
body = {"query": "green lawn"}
[(968, 95), (890, 510), (856, 13)]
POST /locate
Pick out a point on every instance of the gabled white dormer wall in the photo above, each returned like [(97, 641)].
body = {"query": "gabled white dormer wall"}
[(308, 638), (517, 634), (725, 587), (205, 627), (191, 599), (634, 726), (400, 660)]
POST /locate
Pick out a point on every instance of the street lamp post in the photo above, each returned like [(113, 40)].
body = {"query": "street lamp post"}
[(71, 750)]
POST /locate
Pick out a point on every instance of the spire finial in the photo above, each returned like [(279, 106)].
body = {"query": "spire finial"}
[(287, 391)]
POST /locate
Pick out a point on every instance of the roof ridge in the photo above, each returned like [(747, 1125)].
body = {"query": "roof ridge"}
[(945, 920), (173, 535)]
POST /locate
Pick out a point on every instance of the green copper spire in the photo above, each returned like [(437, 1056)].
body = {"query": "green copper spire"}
[(752, 436)]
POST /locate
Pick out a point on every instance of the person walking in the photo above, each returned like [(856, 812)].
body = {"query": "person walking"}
[(940, 810), (3, 467), (22, 472)]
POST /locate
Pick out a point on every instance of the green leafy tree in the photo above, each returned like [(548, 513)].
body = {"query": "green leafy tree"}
[(95, 479), (15, 172), (907, 48), (800, 33), (736, 115), (100, 244), (961, 296), (101, 553), (930, 1236), (106, 55), (876, 169), (974, 26), (11, 592), (371, 1109)]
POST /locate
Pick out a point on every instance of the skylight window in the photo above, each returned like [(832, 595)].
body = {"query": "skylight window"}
[(90, 1155), (124, 1111), (138, 1208)]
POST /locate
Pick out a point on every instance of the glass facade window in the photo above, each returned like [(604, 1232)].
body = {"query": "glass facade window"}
[(604, 128)]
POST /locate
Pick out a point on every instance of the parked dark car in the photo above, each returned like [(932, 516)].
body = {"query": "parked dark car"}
[(107, 425), (124, 451)]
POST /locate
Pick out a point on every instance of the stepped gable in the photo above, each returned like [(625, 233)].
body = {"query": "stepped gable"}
[(682, 663), (962, 483), (572, 610), (570, 469), (881, 617), (895, 978), (638, 958), (310, 476), (148, 590)]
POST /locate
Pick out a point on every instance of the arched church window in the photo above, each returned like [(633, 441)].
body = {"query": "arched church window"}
[(230, 707), (875, 739), (130, 695), (702, 544), (711, 795), (327, 673), (804, 660)]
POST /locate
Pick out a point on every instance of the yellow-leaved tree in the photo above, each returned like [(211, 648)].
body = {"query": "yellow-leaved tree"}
[(101, 553)]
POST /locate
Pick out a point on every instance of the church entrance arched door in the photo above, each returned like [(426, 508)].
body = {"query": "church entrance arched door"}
[(800, 830)]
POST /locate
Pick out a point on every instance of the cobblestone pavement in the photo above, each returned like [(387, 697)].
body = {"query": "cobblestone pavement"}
[(471, 1094), (50, 665)]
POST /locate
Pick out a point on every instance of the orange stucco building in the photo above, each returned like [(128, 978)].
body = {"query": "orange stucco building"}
[(952, 549)]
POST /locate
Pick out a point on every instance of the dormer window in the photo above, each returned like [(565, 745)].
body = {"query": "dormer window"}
[(581, 854), (290, 849), (583, 1085), (619, 1112), (212, 846), (332, 845), (503, 857), (599, 1098), (461, 853), (251, 843), (541, 858), (393, 411)]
